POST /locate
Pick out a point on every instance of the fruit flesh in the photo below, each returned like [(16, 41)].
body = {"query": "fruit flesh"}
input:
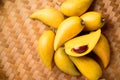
[(45, 48), (63, 62), (88, 67), (69, 28), (90, 40), (102, 50)]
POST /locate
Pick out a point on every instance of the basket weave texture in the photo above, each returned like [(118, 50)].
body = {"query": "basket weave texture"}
[(19, 59)]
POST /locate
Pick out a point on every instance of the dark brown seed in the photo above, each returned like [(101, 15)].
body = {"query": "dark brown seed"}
[(80, 49)]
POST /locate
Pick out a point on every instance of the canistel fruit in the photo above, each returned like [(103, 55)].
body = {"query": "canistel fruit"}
[(93, 20), (68, 29), (90, 40), (63, 62), (45, 48), (102, 50), (88, 67), (49, 16), (75, 7)]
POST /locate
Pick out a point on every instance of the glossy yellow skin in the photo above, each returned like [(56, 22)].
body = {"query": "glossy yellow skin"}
[(63, 62), (69, 28), (90, 40), (75, 7), (45, 48), (102, 50), (49, 16), (88, 67), (93, 20)]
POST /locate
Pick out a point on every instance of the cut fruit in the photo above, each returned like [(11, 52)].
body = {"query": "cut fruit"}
[(90, 40)]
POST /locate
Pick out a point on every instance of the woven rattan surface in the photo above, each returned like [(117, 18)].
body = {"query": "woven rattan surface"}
[(19, 34)]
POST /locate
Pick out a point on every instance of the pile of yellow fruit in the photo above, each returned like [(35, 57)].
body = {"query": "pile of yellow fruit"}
[(68, 49)]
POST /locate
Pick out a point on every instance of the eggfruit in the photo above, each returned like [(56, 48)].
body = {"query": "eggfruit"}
[(68, 29), (75, 7), (88, 67), (63, 62), (46, 49), (82, 45), (93, 20), (49, 16), (102, 50)]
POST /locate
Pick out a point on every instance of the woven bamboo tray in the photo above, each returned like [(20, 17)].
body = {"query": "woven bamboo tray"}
[(19, 34)]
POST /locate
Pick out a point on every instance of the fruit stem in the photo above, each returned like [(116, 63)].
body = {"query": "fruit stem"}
[(82, 23), (102, 20)]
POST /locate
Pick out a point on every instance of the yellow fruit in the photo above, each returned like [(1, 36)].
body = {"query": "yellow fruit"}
[(45, 48), (75, 7), (69, 28), (93, 20), (102, 50), (88, 67), (49, 16), (82, 45), (63, 62)]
